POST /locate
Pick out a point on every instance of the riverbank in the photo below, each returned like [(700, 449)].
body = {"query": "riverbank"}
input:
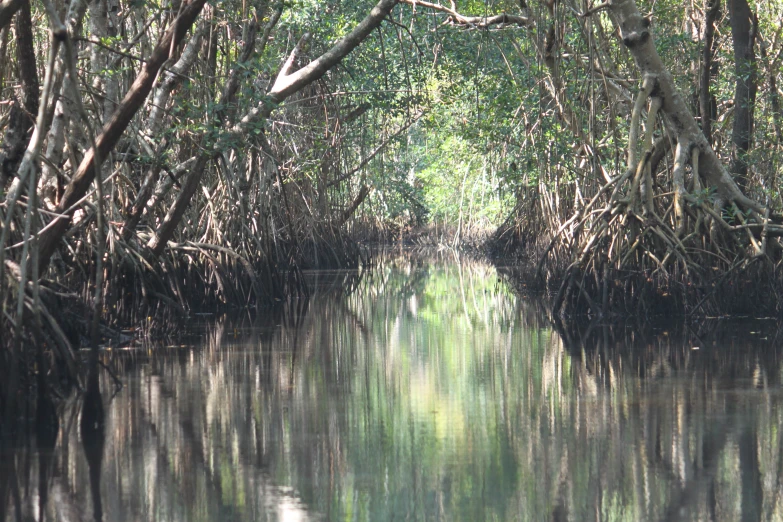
[(709, 286)]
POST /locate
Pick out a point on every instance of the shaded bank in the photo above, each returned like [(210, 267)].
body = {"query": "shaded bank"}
[(739, 287), (141, 301)]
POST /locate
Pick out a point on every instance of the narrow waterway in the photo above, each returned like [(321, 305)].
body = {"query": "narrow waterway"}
[(423, 389)]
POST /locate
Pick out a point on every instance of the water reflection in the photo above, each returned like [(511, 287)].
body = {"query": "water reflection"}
[(424, 391)]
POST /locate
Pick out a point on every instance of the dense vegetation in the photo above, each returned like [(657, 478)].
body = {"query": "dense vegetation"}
[(164, 156)]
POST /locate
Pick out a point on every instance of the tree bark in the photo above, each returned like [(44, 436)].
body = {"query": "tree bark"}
[(773, 70), (357, 201), (743, 34), (171, 79), (52, 179), (291, 83), (192, 182), (115, 127), (99, 30)]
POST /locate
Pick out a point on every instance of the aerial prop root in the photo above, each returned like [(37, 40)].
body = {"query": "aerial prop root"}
[(628, 227)]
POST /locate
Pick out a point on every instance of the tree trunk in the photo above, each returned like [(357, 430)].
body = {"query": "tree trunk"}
[(773, 69), (706, 100), (357, 201), (636, 35), (166, 230), (52, 179), (743, 34), (99, 30), (171, 79), (8, 9)]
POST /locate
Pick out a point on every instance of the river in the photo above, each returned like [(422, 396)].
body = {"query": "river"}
[(423, 389)]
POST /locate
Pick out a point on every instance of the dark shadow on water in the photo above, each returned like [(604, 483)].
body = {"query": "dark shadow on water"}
[(47, 426), (92, 430)]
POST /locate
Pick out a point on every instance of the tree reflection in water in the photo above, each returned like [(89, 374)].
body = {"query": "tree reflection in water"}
[(424, 390)]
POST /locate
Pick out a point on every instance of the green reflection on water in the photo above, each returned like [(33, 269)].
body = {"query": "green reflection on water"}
[(430, 392)]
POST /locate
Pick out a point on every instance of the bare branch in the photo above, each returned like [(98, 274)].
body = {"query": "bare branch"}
[(478, 22)]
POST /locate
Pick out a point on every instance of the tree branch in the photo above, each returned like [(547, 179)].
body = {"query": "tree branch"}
[(479, 22), (291, 83)]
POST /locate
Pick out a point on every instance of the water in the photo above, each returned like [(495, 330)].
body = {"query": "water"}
[(424, 390)]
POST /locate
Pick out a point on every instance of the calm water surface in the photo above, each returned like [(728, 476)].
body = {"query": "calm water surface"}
[(423, 390)]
